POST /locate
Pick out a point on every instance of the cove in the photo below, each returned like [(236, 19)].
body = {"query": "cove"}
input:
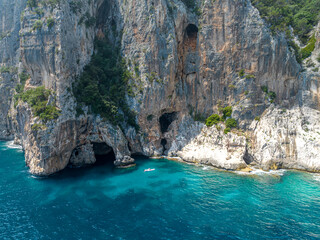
[(176, 201)]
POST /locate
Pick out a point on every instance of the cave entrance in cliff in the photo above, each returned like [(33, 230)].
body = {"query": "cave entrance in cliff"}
[(191, 36), (103, 153), (165, 121)]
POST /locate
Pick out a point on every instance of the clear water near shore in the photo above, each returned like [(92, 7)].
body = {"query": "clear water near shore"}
[(176, 201)]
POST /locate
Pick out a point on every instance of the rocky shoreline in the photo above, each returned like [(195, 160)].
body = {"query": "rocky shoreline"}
[(180, 67)]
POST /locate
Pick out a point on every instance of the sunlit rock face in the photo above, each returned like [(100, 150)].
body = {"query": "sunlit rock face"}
[(185, 65), (10, 11)]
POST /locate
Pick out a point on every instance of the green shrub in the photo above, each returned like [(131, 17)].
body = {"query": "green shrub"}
[(307, 51), (19, 88), (136, 69), (227, 111), (296, 50), (231, 123), (198, 117), (302, 15), (4, 69), (250, 76), (103, 85), (226, 130), (32, 3), (231, 86), (197, 11), (189, 3), (37, 126), (264, 89), (49, 113), (51, 3), (75, 6), (37, 25), (39, 11), (214, 119), (37, 99), (241, 73), (50, 22), (257, 118), (272, 96), (23, 78), (246, 92)]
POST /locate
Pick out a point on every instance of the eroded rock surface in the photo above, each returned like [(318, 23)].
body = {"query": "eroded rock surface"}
[(213, 147), (185, 66)]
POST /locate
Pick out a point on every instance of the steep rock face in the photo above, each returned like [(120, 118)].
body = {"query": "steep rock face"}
[(196, 61), (10, 12), (213, 147), (70, 142), (288, 139), (54, 55), (185, 66)]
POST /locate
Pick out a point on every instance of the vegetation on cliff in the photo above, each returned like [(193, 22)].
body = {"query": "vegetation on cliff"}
[(35, 3), (302, 15), (270, 94), (214, 119), (37, 99), (306, 51), (103, 85)]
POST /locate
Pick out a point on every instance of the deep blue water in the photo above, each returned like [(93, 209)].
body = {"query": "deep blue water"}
[(176, 201)]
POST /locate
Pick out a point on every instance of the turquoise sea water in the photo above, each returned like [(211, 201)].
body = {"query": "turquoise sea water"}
[(176, 201)]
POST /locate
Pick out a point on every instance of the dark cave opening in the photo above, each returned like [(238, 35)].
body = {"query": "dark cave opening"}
[(164, 143), (165, 121), (191, 36), (103, 153), (192, 31)]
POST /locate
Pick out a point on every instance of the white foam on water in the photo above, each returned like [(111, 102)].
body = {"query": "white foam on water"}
[(207, 168), (13, 146), (255, 171), (316, 176)]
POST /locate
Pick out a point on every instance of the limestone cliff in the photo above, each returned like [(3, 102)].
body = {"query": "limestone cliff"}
[(9, 59), (185, 64)]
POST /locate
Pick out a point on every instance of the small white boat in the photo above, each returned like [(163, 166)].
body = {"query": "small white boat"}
[(149, 169)]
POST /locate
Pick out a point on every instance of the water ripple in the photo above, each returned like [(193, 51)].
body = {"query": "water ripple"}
[(178, 201)]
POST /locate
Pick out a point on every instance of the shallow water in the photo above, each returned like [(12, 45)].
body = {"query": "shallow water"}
[(176, 201)]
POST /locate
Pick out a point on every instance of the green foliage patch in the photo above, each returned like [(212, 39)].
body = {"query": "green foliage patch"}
[(306, 51), (37, 99), (226, 130), (103, 85), (272, 95), (227, 111), (264, 89), (37, 25), (23, 78), (214, 119), (192, 4), (241, 73), (50, 22), (231, 123), (302, 15), (34, 3)]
